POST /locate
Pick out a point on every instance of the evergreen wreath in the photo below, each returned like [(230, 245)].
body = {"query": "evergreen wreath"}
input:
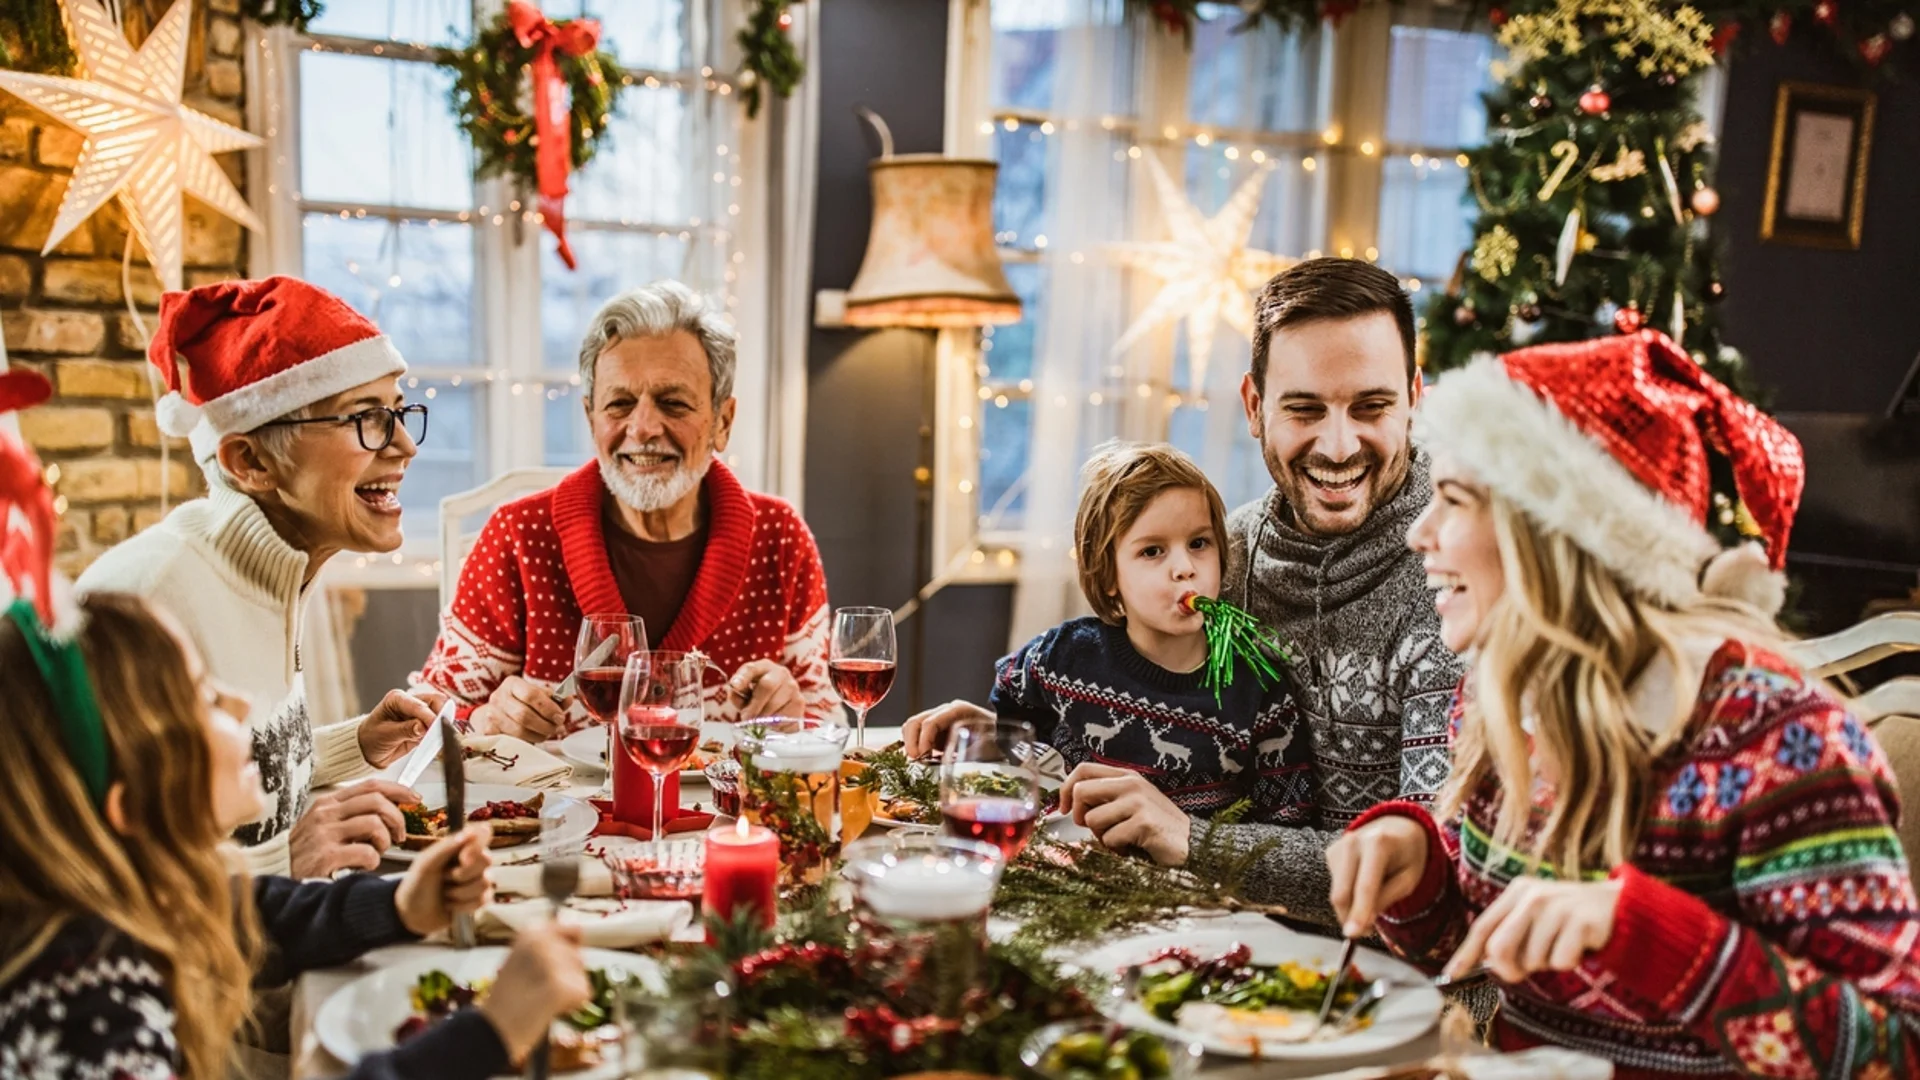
[(490, 96)]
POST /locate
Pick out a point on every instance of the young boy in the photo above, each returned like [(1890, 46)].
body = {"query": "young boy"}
[(1126, 686)]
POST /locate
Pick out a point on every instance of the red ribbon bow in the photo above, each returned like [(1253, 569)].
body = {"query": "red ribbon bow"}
[(554, 155)]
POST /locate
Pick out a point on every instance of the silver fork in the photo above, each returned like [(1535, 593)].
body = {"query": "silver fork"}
[(1333, 985)]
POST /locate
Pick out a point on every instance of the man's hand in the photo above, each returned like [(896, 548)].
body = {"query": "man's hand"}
[(1373, 868), (544, 977), (349, 828), (1125, 810), (926, 732), (521, 708), (766, 688), (448, 878), (396, 725), (1538, 925)]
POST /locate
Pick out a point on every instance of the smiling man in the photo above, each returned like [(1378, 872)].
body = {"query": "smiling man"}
[(655, 526), (292, 404)]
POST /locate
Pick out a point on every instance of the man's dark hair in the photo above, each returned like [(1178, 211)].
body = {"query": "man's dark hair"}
[(1327, 289)]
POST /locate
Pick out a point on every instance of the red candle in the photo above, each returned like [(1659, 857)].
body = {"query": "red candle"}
[(633, 791), (743, 863)]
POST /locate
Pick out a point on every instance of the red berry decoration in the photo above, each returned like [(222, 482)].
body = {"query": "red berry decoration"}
[(1595, 101), (1780, 26), (1826, 12), (1875, 49), (1629, 319), (1497, 16), (1705, 201)]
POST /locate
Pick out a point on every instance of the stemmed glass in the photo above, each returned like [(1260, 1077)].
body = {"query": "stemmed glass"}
[(661, 707), (990, 783), (601, 667), (861, 662)]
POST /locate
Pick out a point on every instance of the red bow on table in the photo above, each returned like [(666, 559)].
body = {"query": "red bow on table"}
[(554, 156)]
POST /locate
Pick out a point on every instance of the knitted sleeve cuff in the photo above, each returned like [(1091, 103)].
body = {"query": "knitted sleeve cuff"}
[(1433, 880), (271, 857), (1665, 944), (336, 753)]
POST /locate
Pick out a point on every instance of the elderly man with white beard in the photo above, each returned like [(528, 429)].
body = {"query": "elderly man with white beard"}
[(656, 527)]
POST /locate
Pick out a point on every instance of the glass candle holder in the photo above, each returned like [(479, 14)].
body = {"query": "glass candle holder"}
[(790, 782), (673, 870), (723, 778), (920, 901)]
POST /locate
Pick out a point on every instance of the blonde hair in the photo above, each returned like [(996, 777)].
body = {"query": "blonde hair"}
[(1117, 483), (1561, 647), (164, 882)]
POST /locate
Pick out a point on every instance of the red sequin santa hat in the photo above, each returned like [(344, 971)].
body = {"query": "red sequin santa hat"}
[(27, 521), (1606, 442), (237, 354)]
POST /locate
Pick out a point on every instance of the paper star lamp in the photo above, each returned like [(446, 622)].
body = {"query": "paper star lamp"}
[(141, 143), (1208, 271)]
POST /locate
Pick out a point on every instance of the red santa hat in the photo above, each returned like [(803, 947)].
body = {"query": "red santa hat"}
[(237, 354), (1606, 442), (27, 520)]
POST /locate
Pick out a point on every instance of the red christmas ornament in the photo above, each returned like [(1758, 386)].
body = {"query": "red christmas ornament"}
[(786, 20), (1629, 319), (1497, 16), (1826, 12), (1875, 49), (1595, 101), (1705, 201), (1780, 26), (1723, 38)]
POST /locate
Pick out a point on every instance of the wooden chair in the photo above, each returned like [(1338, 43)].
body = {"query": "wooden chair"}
[(1891, 710), (456, 542), (1857, 646)]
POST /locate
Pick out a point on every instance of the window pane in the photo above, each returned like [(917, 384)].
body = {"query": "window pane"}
[(1005, 435), (1433, 91), (1008, 350), (425, 22), (452, 459), (644, 171), (565, 440), (1029, 40), (1291, 206), (610, 262), (1020, 191), (1424, 222), (381, 132), (413, 279), (1229, 457), (647, 34), (1260, 78)]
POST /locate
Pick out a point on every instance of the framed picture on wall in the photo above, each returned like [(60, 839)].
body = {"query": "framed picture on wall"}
[(1817, 176)]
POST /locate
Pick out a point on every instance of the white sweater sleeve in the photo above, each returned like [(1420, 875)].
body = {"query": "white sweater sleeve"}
[(336, 753)]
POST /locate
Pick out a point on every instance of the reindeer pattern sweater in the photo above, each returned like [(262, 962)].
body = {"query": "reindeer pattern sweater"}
[(1091, 695)]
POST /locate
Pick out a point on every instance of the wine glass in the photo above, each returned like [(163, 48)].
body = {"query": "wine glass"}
[(661, 707), (602, 667), (990, 783), (861, 661)]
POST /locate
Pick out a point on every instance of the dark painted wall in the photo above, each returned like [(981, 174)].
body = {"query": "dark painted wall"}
[(865, 388)]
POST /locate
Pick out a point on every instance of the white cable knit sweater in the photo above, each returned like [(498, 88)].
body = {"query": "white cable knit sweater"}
[(217, 565)]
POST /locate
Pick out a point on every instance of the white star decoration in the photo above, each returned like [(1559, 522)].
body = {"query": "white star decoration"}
[(141, 143), (1209, 271)]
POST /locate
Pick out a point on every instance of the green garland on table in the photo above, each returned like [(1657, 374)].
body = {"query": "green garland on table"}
[(489, 96)]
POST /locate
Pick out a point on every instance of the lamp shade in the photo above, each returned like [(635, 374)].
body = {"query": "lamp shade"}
[(931, 259)]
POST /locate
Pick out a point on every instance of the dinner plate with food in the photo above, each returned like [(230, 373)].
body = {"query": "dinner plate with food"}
[(1252, 988), (907, 792), (588, 746), (513, 811), (384, 1008)]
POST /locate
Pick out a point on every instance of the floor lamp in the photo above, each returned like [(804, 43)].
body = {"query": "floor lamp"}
[(931, 264)]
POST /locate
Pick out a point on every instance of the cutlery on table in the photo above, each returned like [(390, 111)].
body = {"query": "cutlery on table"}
[(422, 755), (1334, 984), (1373, 994), (453, 767), (572, 682), (1479, 972), (559, 880)]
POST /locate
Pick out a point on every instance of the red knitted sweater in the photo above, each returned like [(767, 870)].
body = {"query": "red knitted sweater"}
[(541, 562)]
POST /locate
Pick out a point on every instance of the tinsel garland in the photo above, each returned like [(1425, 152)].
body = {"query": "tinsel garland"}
[(489, 97), (1234, 637)]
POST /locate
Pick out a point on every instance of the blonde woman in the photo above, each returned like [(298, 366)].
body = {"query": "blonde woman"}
[(127, 950), (1670, 846)]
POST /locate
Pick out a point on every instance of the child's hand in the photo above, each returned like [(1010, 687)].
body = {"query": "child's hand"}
[(926, 732), (1125, 810)]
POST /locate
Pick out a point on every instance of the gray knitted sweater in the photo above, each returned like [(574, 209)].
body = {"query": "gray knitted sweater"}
[(1374, 680)]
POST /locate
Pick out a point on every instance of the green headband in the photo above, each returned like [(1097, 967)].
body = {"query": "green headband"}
[(65, 672)]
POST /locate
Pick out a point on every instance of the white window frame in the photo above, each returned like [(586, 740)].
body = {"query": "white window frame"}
[(1348, 186), (764, 450)]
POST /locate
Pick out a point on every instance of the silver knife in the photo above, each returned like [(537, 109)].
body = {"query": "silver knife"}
[(600, 652), (453, 764), (423, 755)]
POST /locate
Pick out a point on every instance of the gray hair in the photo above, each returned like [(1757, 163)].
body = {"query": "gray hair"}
[(273, 440), (657, 310)]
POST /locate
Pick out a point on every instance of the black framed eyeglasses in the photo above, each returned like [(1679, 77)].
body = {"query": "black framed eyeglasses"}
[(375, 426)]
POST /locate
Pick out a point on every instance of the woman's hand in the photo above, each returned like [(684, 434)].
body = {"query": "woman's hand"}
[(1125, 810), (522, 708), (1538, 925), (766, 688), (447, 879), (926, 732), (545, 977), (1373, 868)]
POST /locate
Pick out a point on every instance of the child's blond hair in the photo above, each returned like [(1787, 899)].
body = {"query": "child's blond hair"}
[(1116, 484)]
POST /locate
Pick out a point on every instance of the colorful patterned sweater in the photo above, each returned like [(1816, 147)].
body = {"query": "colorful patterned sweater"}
[(541, 562), (1766, 923), (1091, 695)]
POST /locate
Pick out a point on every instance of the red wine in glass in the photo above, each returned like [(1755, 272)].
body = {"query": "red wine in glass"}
[(1004, 823), (599, 690), (656, 740), (861, 683)]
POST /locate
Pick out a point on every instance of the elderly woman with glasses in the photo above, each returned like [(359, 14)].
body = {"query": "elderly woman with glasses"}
[(291, 401)]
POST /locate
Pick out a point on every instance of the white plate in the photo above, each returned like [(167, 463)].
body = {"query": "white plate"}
[(1061, 827), (588, 747), (1405, 1014), (577, 818), (359, 1019)]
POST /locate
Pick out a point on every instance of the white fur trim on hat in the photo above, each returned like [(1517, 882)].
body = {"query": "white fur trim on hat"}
[(1530, 454), (295, 388)]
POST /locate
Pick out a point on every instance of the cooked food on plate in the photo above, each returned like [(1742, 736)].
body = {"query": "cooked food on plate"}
[(578, 1043), (1230, 997), (513, 822)]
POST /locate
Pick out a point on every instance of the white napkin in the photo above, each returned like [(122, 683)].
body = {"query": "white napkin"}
[(523, 880), (532, 767), (1540, 1063), (605, 923)]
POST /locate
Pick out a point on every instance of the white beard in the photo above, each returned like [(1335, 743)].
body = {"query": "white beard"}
[(651, 494)]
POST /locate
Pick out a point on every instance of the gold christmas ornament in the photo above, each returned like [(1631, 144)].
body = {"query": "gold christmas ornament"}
[(141, 143), (1676, 41), (1495, 253), (1629, 164)]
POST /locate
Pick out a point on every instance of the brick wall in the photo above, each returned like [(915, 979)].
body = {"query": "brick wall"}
[(65, 313)]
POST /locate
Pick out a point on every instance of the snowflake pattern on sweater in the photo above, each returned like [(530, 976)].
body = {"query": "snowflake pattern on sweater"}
[(90, 1006), (1090, 694), (1766, 924), (541, 562)]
